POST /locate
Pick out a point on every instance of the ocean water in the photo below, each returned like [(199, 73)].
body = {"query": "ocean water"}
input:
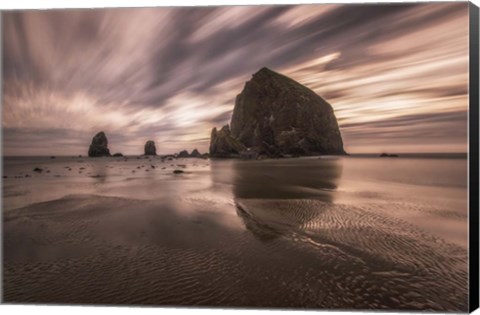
[(357, 232)]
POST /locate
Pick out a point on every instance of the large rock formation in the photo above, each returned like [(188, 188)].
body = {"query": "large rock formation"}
[(150, 148), (99, 146), (222, 144), (275, 115)]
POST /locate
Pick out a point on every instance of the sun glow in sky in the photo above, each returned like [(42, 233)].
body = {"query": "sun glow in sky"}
[(396, 75)]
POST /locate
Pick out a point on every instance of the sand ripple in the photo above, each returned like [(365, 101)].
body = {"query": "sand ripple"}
[(282, 253), (396, 260)]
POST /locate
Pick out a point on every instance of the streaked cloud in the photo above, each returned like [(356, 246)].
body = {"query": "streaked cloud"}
[(396, 75)]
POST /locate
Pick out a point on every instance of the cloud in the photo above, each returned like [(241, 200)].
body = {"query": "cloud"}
[(171, 74)]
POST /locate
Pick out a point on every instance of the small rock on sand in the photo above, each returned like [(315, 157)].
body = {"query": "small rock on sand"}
[(178, 172)]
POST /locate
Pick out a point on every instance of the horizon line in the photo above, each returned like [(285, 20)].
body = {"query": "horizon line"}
[(348, 154)]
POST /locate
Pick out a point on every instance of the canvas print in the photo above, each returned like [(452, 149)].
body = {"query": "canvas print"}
[(302, 156)]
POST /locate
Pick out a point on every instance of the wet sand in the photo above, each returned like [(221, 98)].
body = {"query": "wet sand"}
[(347, 233)]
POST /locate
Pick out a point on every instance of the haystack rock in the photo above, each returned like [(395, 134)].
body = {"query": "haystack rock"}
[(275, 115), (150, 148), (222, 144), (99, 146)]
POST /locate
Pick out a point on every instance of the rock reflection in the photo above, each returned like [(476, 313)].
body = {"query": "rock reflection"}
[(100, 171), (287, 179), (260, 186)]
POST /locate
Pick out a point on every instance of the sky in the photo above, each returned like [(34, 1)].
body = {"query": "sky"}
[(395, 75)]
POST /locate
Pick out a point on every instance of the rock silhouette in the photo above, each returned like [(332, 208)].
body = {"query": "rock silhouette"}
[(183, 154), (150, 148), (275, 115), (222, 144), (195, 154), (99, 146), (388, 155)]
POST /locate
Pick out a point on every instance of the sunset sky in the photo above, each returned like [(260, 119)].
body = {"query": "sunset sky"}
[(396, 75)]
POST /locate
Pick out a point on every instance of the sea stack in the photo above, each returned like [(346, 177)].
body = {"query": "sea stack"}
[(276, 116), (150, 148), (183, 154), (99, 146), (223, 145), (195, 154)]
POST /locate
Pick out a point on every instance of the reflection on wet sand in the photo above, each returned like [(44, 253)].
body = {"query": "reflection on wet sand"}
[(296, 203), (287, 179), (308, 232), (281, 179)]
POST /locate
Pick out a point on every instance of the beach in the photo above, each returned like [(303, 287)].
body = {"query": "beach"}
[(352, 232)]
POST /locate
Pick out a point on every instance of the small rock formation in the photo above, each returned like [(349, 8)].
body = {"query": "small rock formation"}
[(99, 146), (276, 116), (183, 154), (178, 172), (222, 144), (38, 169), (388, 155), (150, 148), (118, 155), (195, 154)]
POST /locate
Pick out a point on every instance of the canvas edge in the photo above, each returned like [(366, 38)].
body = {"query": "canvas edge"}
[(473, 180), (473, 158)]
